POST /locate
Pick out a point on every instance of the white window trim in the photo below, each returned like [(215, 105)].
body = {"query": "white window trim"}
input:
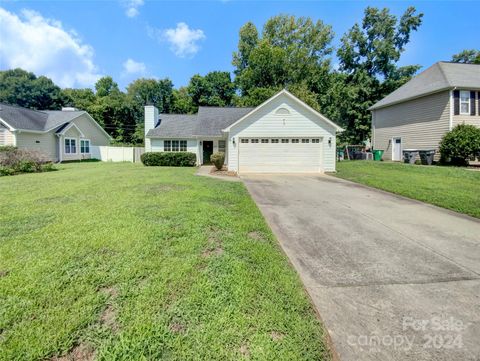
[(76, 145), (89, 145), (460, 102)]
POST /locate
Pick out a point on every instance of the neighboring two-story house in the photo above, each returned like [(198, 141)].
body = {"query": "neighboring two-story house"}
[(419, 113)]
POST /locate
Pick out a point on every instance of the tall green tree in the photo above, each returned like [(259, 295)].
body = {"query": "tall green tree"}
[(214, 89), (470, 56), (25, 89), (369, 55), (79, 98), (291, 53), (152, 91)]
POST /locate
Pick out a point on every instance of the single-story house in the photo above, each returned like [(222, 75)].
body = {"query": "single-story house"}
[(62, 135), (282, 135), (420, 112)]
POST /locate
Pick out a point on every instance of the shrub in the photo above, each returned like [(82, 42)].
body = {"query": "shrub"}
[(460, 144), (13, 161), (218, 159), (169, 159)]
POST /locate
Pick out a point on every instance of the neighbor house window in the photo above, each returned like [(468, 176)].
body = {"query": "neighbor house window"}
[(84, 146), (221, 146), (174, 145), (464, 102), (70, 146)]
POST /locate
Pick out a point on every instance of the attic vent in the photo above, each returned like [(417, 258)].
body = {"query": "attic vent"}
[(282, 111)]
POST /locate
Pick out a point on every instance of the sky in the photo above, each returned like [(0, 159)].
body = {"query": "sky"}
[(76, 42)]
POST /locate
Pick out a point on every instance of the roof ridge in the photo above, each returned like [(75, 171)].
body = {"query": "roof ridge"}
[(443, 72), (20, 107)]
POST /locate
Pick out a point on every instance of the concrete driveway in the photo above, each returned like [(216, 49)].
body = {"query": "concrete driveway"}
[(392, 278)]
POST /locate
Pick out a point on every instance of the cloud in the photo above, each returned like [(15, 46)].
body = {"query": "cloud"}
[(130, 66), (131, 7), (43, 46), (183, 40)]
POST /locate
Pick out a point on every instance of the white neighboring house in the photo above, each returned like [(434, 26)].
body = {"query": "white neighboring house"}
[(282, 135), (63, 135)]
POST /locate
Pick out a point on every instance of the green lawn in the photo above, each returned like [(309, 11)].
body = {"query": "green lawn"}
[(121, 261), (449, 187)]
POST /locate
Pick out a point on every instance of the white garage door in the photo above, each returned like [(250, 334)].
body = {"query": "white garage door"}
[(280, 155)]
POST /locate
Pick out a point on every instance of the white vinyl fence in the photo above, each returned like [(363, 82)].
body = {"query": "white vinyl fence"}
[(117, 154)]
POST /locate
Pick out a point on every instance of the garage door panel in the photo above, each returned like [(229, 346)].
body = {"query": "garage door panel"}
[(280, 157)]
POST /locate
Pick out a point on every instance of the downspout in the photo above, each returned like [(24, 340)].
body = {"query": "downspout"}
[(450, 120), (59, 148)]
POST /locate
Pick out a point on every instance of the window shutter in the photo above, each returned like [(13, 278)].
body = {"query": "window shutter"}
[(472, 103), (456, 102)]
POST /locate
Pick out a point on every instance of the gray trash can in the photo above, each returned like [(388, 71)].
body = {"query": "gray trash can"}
[(409, 155), (426, 156)]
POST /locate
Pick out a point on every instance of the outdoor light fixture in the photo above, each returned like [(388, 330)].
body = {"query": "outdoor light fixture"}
[(330, 141), (233, 140)]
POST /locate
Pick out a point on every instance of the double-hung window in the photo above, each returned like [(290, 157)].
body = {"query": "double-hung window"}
[(174, 145), (70, 146), (464, 102), (84, 146)]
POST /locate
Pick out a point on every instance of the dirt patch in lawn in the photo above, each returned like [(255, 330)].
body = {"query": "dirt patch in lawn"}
[(276, 336), (244, 351), (4, 273), (82, 352), (255, 235), (108, 318), (177, 327), (217, 251)]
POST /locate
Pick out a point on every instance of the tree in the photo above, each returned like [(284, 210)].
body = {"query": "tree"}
[(471, 56), (151, 91), (182, 102), (106, 86), (25, 89), (79, 98), (368, 57), (214, 89), (292, 52)]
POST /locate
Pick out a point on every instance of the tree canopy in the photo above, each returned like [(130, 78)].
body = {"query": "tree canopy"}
[(471, 56), (289, 52)]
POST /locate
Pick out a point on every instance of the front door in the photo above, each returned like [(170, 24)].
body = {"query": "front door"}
[(397, 149), (207, 151)]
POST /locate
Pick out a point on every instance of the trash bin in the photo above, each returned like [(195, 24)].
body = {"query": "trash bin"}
[(409, 156), (377, 154), (426, 156)]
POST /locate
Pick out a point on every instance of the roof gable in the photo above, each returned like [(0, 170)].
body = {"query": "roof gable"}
[(440, 76), (290, 96)]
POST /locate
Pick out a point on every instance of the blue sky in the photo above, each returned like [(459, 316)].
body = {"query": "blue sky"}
[(75, 42)]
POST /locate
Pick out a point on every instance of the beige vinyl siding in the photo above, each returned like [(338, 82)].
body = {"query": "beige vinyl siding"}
[(421, 123), (469, 119), (299, 123), (43, 142), (6, 136), (90, 131)]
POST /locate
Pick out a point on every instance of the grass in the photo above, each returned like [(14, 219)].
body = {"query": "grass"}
[(448, 187), (120, 261)]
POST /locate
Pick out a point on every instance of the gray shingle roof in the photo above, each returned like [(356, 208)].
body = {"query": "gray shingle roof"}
[(209, 121), (175, 125), (440, 76), (36, 120)]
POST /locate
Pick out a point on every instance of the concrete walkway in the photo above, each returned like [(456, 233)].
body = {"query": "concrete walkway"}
[(392, 278)]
